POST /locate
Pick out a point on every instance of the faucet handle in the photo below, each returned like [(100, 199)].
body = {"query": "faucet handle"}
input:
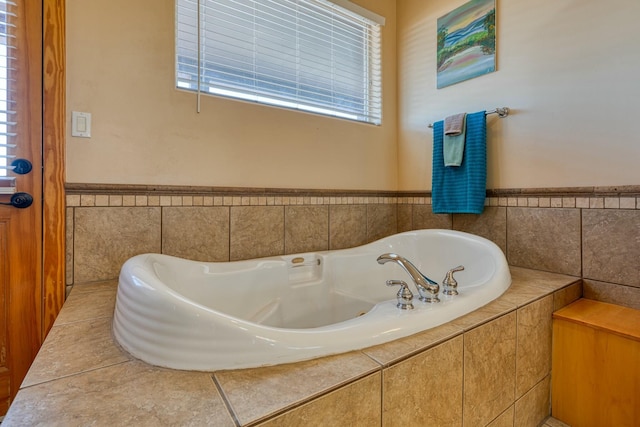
[(449, 284), (404, 295)]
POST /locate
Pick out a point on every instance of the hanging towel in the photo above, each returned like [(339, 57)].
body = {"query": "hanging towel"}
[(453, 145), (461, 189), (454, 125)]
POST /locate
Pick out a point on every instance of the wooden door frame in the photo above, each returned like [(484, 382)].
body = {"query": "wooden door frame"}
[(53, 174)]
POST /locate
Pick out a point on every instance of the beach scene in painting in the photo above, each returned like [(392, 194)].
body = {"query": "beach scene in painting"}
[(466, 42)]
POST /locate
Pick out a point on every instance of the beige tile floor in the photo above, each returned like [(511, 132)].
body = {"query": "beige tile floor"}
[(552, 422)]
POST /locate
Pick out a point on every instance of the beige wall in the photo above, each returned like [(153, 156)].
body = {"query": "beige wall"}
[(567, 69), (120, 58)]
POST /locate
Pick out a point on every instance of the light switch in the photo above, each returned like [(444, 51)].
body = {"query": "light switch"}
[(81, 124)]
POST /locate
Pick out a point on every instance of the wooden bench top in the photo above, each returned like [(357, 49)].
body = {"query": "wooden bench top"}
[(613, 318)]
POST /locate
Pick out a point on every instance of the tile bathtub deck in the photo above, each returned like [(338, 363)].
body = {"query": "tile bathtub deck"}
[(81, 376)]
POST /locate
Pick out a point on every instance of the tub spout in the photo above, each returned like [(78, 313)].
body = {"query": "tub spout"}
[(427, 288)]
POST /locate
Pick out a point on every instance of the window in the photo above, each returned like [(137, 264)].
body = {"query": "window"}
[(7, 37), (311, 55)]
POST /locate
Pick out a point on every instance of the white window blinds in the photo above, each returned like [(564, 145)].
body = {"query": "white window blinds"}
[(311, 55), (7, 110)]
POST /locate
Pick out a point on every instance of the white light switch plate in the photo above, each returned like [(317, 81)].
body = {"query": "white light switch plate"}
[(81, 124)]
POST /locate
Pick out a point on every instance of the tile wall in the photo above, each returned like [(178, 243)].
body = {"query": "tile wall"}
[(594, 235), (483, 377)]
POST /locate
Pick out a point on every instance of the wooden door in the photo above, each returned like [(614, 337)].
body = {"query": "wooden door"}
[(20, 228)]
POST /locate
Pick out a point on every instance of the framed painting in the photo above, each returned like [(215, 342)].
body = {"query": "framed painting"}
[(466, 42)]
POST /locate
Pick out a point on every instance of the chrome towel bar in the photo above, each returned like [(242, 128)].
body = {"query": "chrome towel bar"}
[(502, 112)]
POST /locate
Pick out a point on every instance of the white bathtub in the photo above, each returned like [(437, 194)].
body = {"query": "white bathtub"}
[(192, 315)]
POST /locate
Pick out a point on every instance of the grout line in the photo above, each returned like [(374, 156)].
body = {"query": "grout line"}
[(161, 230), (328, 229), (382, 371), (516, 352), (228, 233), (506, 234), (73, 250), (284, 230), (581, 221), (75, 374), (463, 334), (226, 402)]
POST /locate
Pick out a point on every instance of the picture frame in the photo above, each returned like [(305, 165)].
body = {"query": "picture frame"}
[(466, 42)]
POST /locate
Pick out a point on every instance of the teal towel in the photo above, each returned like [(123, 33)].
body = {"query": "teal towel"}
[(453, 146), (461, 189)]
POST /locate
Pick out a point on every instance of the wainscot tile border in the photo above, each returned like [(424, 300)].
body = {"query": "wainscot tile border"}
[(113, 195)]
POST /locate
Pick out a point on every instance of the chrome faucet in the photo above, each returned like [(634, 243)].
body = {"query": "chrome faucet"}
[(449, 284), (427, 288), (405, 297)]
